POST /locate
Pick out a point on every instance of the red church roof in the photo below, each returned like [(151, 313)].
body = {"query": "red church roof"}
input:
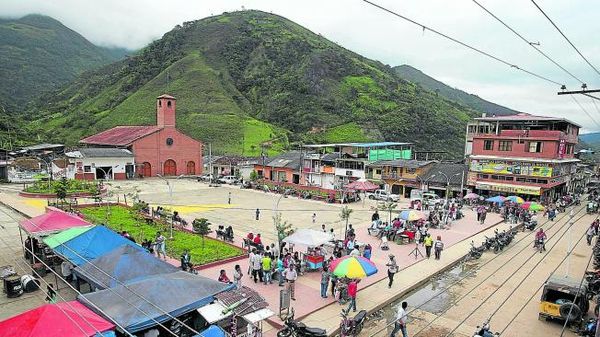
[(120, 135)]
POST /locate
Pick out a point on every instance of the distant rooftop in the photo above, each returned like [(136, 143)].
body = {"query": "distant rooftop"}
[(524, 117), (362, 145)]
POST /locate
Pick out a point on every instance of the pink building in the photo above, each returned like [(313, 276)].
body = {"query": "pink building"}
[(158, 149)]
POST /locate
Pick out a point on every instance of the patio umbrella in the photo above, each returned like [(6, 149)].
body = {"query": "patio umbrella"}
[(499, 199), (352, 267), (471, 196), (532, 206), (515, 199), (362, 185), (411, 215)]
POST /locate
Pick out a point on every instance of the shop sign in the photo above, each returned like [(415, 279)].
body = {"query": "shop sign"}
[(503, 167), (512, 189), (562, 148)]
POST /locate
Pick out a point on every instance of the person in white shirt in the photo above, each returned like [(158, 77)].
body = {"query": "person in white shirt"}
[(400, 324), (355, 251)]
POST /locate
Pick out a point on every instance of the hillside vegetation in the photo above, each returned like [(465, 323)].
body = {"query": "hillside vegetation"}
[(473, 101), (249, 78)]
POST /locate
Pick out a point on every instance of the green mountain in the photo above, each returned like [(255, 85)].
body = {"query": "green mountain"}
[(39, 54), (249, 78), (473, 101)]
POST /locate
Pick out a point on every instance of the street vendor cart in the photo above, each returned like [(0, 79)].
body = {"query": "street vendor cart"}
[(311, 240)]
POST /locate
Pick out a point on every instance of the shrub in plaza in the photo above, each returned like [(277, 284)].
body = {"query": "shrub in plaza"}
[(123, 219), (58, 186), (202, 227)]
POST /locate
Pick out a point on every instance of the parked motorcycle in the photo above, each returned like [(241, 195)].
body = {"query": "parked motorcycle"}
[(475, 252), (299, 329), (352, 326), (589, 328)]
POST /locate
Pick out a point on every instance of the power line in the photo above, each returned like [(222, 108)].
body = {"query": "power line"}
[(584, 110), (532, 45), (424, 27), (566, 38)]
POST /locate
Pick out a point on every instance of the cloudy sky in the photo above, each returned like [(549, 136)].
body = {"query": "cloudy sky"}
[(373, 33)]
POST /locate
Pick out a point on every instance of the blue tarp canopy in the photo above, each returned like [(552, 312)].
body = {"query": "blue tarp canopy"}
[(135, 305), (499, 199), (92, 244), (212, 331), (122, 264)]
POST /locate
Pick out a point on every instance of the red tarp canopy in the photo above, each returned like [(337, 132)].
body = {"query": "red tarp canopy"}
[(50, 321), (362, 185), (51, 222)]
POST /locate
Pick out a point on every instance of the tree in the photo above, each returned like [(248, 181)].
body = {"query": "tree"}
[(202, 227), (345, 216), (253, 175), (283, 228), (61, 189)]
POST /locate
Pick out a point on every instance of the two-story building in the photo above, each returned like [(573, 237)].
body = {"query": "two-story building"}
[(319, 169), (399, 176), (521, 154)]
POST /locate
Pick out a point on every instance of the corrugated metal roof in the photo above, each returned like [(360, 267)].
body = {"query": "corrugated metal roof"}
[(521, 117), (108, 152), (287, 160), (452, 170), (378, 144), (120, 135), (253, 300)]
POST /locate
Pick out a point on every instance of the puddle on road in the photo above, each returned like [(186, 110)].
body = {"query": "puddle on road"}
[(422, 296)]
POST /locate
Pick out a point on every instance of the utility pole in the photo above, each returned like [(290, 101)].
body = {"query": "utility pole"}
[(584, 91)]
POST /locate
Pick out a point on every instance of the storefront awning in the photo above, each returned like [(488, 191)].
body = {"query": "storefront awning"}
[(509, 188)]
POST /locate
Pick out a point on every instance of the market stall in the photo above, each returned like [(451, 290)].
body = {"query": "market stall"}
[(176, 293), (57, 320), (310, 240), (239, 311), (122, 264)]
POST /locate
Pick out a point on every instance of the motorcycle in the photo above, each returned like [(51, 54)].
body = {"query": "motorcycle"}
[(299, 329), (540, 244), (475, 252), (589, 328), (352, 326), (484, 331)]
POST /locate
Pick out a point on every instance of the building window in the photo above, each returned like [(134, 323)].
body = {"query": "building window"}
[(87, 169), (378, 171), (569, 149), (488, 145), (505, 145), (411, 170), (535, 147), (169, 104)]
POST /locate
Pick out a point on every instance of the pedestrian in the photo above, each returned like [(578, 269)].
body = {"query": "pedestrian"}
[(352, 290), (223, 278), (275, 251), (483, 216), (367, 251), (160, 245), (266, 268), (237, 276), (324, 282), (280, 270), (250, 259), (428, 243), (392, 269), (323, 228), (229, 198), (290, 277), (400, 323), (257, 214), (439, 246), (590, 234), (332, 234), (50, 293), (257, 267), (314, 218)]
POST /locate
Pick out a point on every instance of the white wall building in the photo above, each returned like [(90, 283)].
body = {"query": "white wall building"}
[(100, 163)]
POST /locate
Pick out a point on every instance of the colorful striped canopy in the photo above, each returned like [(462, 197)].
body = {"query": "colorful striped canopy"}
[(515, 198), (56, 240), (532, 206), (352, 267), (411, 215)]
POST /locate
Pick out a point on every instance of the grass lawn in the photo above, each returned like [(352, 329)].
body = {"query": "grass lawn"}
[(122, 219)]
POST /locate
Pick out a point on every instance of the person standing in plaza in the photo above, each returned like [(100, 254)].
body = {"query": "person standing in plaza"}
[(275, 251), (428, 243), (257, 214), (400, 323), (324, 282), (280, 270), (257, 267), (392, 269), (251, 259), (314, 218), (160, 245), (266, 268), (590, 234), (229, 198), (237, 276), (290, 277), (438, 247), (352, 291)]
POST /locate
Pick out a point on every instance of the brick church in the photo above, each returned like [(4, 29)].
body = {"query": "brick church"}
[(157, 149)]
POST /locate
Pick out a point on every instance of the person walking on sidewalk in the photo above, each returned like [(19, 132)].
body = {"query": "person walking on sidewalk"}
[(229, 198), (352, 290), (257, 214), (392, 269), (591, 231), (438, 246), (324, 282), (267, 264), (428, 243), (290, 277), (257, 267), (400, 323)]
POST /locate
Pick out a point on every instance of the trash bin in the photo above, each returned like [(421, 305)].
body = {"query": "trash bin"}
[(29, 283), (13, 287)]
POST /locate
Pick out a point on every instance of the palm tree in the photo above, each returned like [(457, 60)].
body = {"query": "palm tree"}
[(345, 215), (388, 206)]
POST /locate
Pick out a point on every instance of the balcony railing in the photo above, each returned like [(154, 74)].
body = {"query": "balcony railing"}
[(532, 134)]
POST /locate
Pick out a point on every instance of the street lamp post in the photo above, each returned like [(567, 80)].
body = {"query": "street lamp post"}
[(170, 187)]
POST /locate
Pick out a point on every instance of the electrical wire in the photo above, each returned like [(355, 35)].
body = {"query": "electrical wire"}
[(535, 253), (528, 42), (108, 288), (475, 287), (584, 110), (459, 280), (566, 38), (424, 27)]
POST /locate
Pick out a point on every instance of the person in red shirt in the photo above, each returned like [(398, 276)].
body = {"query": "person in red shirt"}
[(250, 236), (257, 239), (352, 290)]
